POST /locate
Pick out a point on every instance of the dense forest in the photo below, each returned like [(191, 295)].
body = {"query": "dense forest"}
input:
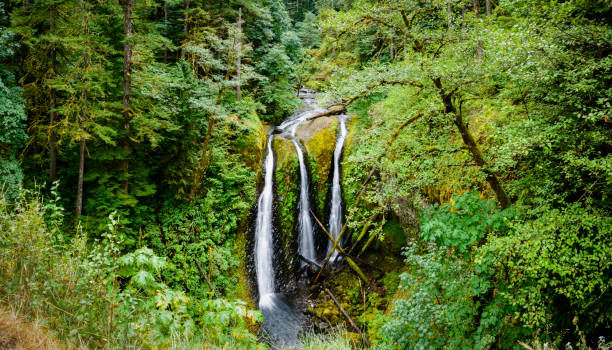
[(437, 174)]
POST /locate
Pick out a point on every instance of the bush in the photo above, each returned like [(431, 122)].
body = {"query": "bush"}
[(93, 296)]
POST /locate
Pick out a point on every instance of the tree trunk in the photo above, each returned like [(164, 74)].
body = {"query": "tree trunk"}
[(185, 27), (127, 89), (476, 4), (166, 30), (492, 179), (52, 140), (238, 94), (488, 7), (472, 146), (204, 160), (52, 105), (79, 200), (449, 10)]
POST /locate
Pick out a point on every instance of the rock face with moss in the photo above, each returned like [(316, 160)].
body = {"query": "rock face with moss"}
[(319, 138), (286, 185)]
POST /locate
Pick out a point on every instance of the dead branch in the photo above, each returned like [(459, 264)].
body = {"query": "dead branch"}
[(331, 111), (206, 278), (365, 339)]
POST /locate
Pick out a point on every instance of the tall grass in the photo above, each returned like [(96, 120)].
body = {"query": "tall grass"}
[(338, 339)]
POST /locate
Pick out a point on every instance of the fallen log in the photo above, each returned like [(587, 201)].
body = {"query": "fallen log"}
[(311, 262), (347, 257), (365, 339), (331, 111), (364, 231)]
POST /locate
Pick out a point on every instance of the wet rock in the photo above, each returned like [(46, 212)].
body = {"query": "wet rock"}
[(319, 138), (286, 184)]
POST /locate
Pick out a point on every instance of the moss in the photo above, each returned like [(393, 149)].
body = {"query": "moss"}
[(251, 143), (319, 138), (241, 290), (350, 187), (287, 190)]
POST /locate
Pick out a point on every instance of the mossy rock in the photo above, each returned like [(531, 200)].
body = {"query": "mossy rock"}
[(286, 184), (242, 290), (319, 138), (350, 188)]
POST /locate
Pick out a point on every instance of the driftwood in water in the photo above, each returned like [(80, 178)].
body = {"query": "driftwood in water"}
[(365, 339), (331, 111)]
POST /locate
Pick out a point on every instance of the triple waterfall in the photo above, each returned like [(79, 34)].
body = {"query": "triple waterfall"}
[(282, 320)]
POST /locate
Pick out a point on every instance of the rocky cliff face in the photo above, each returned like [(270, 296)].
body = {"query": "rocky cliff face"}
[(319, 138)]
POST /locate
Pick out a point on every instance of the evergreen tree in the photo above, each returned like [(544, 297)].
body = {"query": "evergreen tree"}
[(12, 116)]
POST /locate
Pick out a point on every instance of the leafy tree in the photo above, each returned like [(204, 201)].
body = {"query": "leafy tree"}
[(12, 116), (449, 284), (308, 31), (276, 50)]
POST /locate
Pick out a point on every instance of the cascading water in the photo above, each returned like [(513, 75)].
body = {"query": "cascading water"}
[(306, 238), (263, 232), (281, 319), (288, 129), (335, 215)]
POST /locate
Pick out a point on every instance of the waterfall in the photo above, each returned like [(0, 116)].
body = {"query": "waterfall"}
[(335, 215), (282, 320), (306, 237), (263, 232)]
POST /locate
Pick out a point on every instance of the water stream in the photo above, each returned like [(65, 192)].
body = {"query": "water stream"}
[(335, 214), (282, 320), (263, 232), (306, 237)]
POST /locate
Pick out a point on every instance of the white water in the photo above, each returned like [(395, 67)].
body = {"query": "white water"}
[(280, 317), (306, 237), (288, 129), (263, 232), (335, 215)]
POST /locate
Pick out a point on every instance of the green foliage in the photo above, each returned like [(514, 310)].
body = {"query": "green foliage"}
[(531, 82), (277, 49), (219, 315), (444, 307), (12, 117), (96, 296), (555, 264), (308, 32), (463, 222), (451, 301), (334, 340), (278, 95)]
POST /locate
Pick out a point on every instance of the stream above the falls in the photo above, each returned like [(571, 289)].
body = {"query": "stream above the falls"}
[(283, 319)]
